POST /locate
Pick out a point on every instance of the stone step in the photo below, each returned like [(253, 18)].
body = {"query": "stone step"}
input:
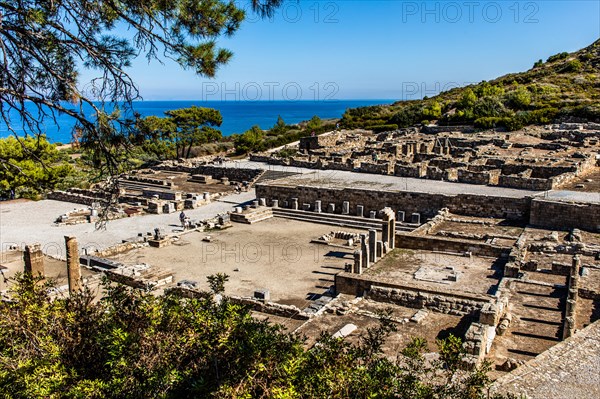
[(139, 186), (252, 216), (334, 219)]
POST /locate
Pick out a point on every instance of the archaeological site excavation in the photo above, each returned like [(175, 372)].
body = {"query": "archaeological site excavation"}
[(452, 234)]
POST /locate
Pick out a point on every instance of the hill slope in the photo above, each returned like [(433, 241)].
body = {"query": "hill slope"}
[(565, 87)]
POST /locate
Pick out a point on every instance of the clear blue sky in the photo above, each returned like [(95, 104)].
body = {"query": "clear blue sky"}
[(364, 49)]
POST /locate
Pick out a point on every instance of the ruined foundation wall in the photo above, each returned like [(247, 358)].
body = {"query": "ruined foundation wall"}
[(437, 300), (564, 215), (449, 245)]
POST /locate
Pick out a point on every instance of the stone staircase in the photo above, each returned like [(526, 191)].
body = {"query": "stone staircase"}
[(337, 219), (540, 317), (132, 185), (252, 216)]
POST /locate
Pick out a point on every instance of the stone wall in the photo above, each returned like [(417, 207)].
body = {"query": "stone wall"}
[(381, 168), (525, 183), (436, 300), (428, 204), (565, 215), (412, 170), (449, 245), (73, 197), (479, 177), (233, 174)]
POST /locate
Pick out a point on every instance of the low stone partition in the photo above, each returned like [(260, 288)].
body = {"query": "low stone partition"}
[(430, 243), (289, 311), (412, 296), (565, 215), (428, 227), (267, 307), (74, 197)]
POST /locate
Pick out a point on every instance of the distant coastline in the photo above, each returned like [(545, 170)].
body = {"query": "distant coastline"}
[(238, 116)]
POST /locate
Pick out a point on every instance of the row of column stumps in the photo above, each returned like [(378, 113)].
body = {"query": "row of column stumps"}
[(572, 295), (371, 250), (33, 259), (294, 204)]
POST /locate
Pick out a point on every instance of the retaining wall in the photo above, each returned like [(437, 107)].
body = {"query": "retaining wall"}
[(428, 204)]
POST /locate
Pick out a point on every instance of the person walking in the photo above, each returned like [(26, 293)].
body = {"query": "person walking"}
[(182, 219)]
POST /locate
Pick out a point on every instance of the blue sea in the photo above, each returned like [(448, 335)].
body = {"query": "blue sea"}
[(238, 116)]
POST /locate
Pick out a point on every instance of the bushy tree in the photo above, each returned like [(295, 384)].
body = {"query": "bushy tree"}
[(519, 99), (467, 100), (249, 141), (30, 166), (486, 89), (179, 131), (314, 123)]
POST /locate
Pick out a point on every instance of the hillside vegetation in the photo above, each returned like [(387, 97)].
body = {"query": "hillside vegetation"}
[(564, 87), (133, 344)]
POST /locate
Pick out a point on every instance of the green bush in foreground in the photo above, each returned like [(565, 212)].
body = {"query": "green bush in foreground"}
[(134, 344)]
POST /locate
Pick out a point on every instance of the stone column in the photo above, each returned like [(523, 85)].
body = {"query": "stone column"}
[(373, 245), (262, 201), (295, 203), (206, 196), (379, 249), (318, 206), (360, 210), (275, 203), (385, 232), (373, 214), (34, 260), (73, 267), (392, 219), (364, 247), (331, 208), (345, 208), (357, 262)]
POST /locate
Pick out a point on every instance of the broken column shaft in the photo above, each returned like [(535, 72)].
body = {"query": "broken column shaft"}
[(34, 260), (73, 266)]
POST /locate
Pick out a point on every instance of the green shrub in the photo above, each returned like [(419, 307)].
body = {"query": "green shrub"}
[(467, 100), (573, 66), (519, 98), (383, 128), (559, 56), (488, 107), (488, 122)]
